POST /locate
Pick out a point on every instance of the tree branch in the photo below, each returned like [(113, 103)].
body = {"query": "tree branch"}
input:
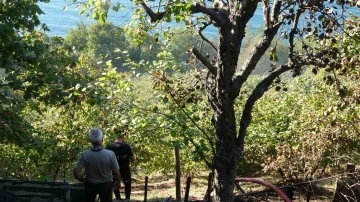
[(203, 37), (276, 11), (153, 16), (292, 34), (194, 123), (204, 61), (195, 8), (256, 94), (266, 13), (210, 165), (254, 57), (211, 12)]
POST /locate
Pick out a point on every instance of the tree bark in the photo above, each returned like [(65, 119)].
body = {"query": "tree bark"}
[(226, 162), (226, 157)]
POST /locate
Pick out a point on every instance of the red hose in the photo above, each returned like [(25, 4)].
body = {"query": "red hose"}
[(257, 181)]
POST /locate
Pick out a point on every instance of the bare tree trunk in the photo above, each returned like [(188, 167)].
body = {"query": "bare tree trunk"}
[(226, 162), (226, 157)]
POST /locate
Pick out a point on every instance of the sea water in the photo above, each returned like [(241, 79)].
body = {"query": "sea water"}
[(59, 21)]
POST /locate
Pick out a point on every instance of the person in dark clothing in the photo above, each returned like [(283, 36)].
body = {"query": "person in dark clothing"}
[(124, 156), (101, 168)]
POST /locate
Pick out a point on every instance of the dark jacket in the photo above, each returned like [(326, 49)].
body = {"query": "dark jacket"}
[(123, 153)]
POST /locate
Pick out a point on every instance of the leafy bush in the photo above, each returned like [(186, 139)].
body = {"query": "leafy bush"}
[(103, 41), (306, 134)]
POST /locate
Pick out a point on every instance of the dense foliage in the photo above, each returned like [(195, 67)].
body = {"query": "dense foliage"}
[(104, 42), (54, 90), (309, 134)]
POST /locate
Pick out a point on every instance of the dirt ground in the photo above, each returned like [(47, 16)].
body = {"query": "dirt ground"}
[(161, 187)]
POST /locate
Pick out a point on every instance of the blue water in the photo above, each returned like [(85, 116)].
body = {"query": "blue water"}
[(60, 21)]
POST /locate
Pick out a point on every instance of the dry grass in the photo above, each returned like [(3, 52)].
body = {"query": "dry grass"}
[(162, 186)]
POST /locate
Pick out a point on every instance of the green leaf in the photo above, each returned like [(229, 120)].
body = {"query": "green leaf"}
[(115, 8), (84, 6), (196, 118), (173, 133), (188, 7), (155, 38), (82, 11), (165, 99), (135, 110), (39, 11), (186, 142), (95, 16), (168, 18), (102, 17), (108, 63)]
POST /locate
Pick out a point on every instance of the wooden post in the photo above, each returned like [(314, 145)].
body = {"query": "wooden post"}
[(290, 193), (207, 197), (146, 188), (308, 193), (188, 181), (178, 174)]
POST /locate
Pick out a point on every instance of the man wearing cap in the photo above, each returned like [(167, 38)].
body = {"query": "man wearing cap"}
[(100, 168), (124, 155)]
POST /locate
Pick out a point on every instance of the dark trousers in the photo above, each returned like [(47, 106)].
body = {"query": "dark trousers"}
[(126, 178), (103, 189)]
